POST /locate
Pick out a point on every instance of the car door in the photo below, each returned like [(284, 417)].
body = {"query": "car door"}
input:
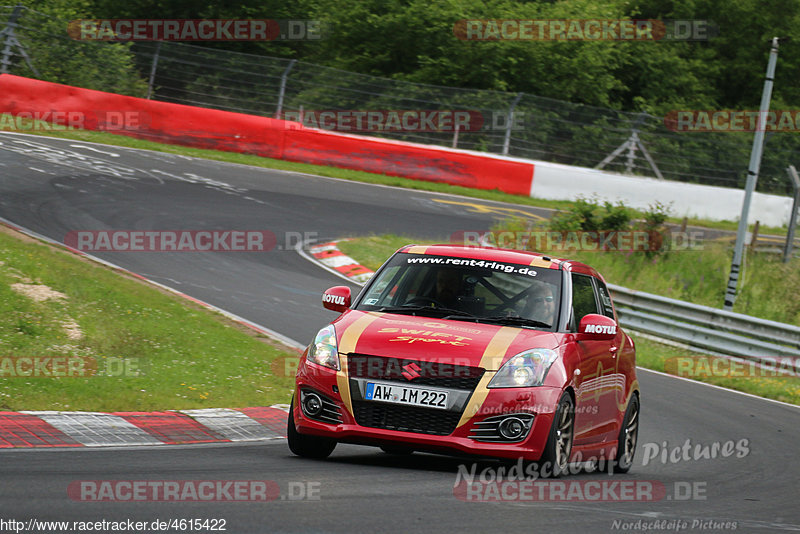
[(616, 349), (595, 409)]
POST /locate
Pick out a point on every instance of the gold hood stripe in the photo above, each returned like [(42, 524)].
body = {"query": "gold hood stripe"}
[(491, 359), (347, 344)]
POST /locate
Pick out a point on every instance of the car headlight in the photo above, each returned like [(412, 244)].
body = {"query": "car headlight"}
[(324, 351), (526, 369)]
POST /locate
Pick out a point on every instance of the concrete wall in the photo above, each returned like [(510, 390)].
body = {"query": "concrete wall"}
[(563, 182)]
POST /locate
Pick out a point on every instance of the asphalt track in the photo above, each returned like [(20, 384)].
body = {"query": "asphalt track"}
[(56, 186)]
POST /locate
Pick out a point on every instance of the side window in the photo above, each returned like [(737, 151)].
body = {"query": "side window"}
[(583, 301), (381, 289), (605, 299)]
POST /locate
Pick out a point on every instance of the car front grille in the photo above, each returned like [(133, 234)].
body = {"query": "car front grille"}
[(417, 373), (459, 379), (406, 418)]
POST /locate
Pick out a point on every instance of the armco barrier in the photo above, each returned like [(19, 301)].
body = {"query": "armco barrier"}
[(236, 132)]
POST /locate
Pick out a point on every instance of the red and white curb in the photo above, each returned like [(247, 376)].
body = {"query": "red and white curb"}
[(331, 258), (29, 429)]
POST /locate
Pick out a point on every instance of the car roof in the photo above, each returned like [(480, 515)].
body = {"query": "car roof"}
[(524, 257)]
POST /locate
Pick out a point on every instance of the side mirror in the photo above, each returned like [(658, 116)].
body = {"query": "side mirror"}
[(337, 298), (596, 326)]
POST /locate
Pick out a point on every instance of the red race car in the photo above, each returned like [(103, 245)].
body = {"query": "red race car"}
[(468, 350)]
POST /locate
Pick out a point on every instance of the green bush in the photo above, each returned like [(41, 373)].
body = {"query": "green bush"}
[(587, 215), (653, 224)]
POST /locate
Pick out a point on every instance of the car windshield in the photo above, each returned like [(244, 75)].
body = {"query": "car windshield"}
[(465, 289)]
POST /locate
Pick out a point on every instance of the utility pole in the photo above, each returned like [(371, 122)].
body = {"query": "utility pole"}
[(752, 178)]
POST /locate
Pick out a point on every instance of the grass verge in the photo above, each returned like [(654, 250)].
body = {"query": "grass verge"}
[(684, 270), (130, 346)]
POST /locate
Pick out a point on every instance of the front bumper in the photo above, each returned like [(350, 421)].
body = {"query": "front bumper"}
[(481, 404)]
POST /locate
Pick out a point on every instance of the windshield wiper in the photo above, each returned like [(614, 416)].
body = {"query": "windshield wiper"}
[(456, 313), (401, 309), (416, 308), (516, 320)]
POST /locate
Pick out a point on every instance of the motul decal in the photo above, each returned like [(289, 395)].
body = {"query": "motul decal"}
[(600, 329), (334, 299)]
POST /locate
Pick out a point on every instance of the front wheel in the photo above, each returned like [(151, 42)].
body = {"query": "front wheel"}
[(304, 445), (628, 435), (555, 458)]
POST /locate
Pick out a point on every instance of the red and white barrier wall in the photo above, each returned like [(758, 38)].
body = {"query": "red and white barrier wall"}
[(222, 130)]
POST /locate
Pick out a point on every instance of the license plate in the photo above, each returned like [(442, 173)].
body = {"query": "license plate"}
[(413, 396)]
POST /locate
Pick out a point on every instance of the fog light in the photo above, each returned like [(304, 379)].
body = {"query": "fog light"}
[(512, 428), (312, 404)]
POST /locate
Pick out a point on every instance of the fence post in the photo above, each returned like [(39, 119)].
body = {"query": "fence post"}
[(282, 90), (510, 124), (787, 250), (754, 236), (153, 70)]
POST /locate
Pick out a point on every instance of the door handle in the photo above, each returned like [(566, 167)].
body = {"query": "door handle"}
[(613, 350)]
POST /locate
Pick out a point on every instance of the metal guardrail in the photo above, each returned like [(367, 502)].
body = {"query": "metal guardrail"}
[(705, 328)]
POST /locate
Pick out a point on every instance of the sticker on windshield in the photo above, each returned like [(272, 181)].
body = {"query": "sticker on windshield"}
[(466, 262)]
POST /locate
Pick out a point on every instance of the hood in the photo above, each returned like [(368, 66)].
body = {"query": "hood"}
[(430, 339)]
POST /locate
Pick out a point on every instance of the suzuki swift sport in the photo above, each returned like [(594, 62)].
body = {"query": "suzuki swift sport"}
[(468, 350)]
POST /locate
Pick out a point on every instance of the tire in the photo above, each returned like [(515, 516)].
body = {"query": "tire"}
[(555, 458), (628, 437), (397, 450), (304, 445)]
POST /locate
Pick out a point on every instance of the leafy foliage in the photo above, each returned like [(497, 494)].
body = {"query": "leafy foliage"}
[(586, 215), (58, 58)]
